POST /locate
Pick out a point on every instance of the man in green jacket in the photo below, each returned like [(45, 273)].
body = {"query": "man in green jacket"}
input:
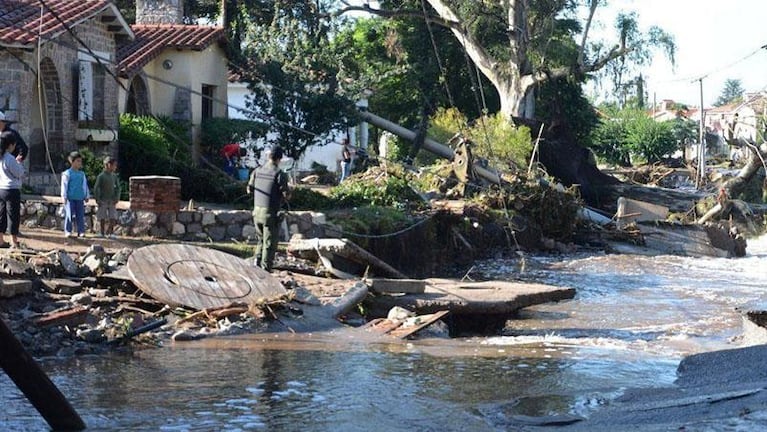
[(269, 186), (106, 191)]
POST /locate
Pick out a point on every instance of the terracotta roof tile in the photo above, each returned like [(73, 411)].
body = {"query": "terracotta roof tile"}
[(21, 21), (152, 39)]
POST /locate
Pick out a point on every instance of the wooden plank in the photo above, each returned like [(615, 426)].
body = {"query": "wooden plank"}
[(346, 249), (200, 278), (24, 371), (70, 316), (381, 325), (403, 332)]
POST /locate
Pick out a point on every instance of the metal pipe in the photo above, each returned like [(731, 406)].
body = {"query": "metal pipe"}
[(429, 144)]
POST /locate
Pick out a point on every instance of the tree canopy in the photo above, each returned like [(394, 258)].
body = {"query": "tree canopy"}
[(520, 44), (731, 93)]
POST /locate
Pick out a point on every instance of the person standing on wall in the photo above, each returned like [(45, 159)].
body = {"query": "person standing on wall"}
[(346, 160), (11, 172), (21, 151), (269, 186)]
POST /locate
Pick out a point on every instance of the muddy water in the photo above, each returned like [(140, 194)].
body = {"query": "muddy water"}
[(631, 322)]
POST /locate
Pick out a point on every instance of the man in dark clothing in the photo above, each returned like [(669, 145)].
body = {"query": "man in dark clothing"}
[(269, 186), (21, 147)]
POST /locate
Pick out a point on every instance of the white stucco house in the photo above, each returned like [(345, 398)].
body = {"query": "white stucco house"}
[(328, 155), (171, 69)]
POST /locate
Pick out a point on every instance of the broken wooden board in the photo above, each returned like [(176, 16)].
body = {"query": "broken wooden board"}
[(72, 317), (424, 321), (398, 328), (488, 297), (200, 278), (341, 247)]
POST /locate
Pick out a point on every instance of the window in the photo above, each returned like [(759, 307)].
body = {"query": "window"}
[(207, 101), (92, 77)]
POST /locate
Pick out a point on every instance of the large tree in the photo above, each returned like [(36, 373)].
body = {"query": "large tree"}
[(731, 93), (518, 44)]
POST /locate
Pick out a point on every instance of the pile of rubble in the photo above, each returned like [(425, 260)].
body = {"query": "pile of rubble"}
[(62, 303)]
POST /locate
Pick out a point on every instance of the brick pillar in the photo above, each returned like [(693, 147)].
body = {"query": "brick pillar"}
[(158, 194)]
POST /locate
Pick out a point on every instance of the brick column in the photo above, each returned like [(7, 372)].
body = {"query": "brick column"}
[(157, 194)]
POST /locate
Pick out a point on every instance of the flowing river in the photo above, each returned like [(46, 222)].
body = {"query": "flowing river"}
[(631, 322)]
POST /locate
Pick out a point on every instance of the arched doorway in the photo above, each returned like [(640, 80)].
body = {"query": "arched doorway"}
[(138, 97), (50, 137)]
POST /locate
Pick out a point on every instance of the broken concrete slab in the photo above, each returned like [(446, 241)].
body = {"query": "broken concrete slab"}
[(62, 286), (458, 297), (12, 287)]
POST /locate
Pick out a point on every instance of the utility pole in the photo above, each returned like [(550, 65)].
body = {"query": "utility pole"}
[(702, 144)]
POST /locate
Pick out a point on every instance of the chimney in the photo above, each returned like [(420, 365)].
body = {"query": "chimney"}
[(159, 11)]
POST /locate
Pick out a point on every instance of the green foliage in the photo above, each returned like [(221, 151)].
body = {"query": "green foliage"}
[(389, 190), (445, 123), (685, 131), (502, 143), (150, 146), (561, 102), (294, 77), (731, 93), (218, 132), (302, 198), (371, 220), (494, 137), (631, 132), (92, 165)]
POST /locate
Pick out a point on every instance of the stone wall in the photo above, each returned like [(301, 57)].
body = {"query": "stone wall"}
[(198, 224)]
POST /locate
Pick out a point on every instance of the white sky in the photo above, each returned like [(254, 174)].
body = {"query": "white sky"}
[(712, 38)]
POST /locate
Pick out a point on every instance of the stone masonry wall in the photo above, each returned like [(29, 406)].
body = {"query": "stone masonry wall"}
[(191, 225)]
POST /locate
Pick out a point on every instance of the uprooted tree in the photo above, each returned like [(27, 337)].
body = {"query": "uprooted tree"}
[(520, 45)]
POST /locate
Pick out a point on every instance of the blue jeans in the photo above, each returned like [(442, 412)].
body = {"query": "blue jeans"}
[(346, 170), (76, 209)]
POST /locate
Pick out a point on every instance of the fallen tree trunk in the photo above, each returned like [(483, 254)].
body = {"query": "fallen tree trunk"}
[(677, 201), (756, 160)]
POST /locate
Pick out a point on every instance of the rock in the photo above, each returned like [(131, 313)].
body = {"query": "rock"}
[(91, 335), (69, 265), (121, 257), (186, 335), (93, 263), (82, 298), (399, 314)]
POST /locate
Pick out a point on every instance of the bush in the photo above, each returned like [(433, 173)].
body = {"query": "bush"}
[(388, 190), (150, 146), (302, 198), (630, 132), (494, 137)]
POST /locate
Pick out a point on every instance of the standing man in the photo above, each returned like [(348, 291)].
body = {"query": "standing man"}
[(269, 186), (346, 160), (21, 151)]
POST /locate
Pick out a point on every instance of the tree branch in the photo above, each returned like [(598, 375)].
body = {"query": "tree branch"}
[(582, 51)]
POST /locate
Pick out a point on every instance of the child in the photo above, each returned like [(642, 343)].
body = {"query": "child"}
[(106, 191), (74, 191)]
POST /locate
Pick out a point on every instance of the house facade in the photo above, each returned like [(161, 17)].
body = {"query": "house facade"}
[(58, 81), (174, 70)]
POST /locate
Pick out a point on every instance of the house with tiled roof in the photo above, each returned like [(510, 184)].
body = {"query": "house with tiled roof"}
[(59, 76), (171, 69)]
